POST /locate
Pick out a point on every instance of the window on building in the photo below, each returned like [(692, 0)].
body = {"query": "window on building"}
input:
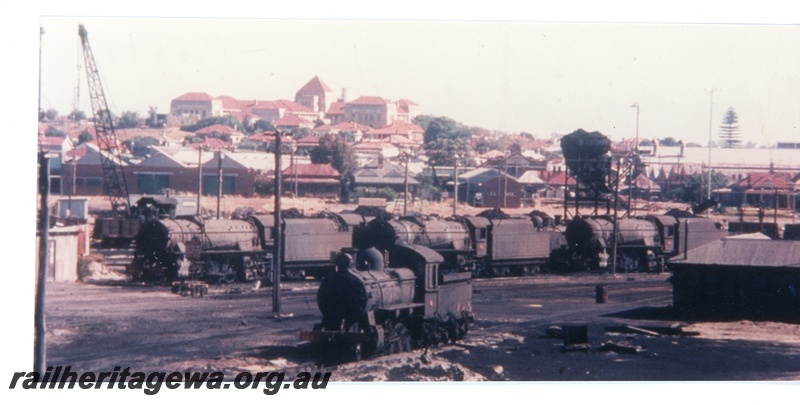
[(148, 183), (211, 184)]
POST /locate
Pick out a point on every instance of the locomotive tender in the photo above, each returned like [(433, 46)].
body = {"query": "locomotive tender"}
[(370, 308)]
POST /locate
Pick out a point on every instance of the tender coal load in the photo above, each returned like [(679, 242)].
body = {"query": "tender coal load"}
[(586, 155)]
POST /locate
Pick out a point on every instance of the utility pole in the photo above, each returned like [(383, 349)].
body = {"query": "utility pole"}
[(278, 248), (455, 186), (405, 197), (711, 90), (616, 219), (40, 329), (199, 177), (219, 186)]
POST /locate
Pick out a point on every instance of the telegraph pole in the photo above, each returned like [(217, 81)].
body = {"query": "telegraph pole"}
[(199, 177), (40, 329), (278, 248), (455, 186)]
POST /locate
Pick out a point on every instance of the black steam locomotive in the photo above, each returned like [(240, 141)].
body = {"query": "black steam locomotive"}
[(384, 303), (229, 250), (643, 243), (492, 244)]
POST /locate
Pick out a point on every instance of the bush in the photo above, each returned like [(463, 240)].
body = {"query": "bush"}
[(385, 192)]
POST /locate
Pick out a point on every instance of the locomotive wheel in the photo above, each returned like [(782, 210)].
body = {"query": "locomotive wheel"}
[(228, 278), (356, 352)]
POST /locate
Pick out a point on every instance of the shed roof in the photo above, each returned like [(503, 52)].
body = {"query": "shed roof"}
[(745, 252)]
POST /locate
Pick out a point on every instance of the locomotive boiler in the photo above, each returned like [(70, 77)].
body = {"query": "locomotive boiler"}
[(392, 301), (217, 250)]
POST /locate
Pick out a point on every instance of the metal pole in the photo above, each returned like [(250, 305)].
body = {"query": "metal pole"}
[(405, 198), (40, 329), (710, 122), (278, 248), (455, 186), (39, 112), (219, 186), (505, 182), (616, 219), (199, 177)]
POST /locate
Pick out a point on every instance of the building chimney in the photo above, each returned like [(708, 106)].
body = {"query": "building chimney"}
[(344, 94)]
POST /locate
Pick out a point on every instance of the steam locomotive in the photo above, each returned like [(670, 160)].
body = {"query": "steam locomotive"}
[(229, 250), (643, 243), (390, 302), (492, 244)]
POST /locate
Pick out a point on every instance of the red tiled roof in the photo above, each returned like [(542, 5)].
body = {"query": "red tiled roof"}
[(557, 179), (212, 143), (369, 100), (756, 181), (336, 108), (194, 97), (292, 106), (398, 128), (51, 140), (251, 105), (368, 146), (229, 103), (315, 85), (308, 140), (216, 128), (312, 170), (290, 120), (351, 126)]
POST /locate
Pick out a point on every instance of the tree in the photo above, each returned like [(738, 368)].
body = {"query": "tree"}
[(334, 150), (53, 131), (729, 130), (129, 119), (260, 126), (51, 114), (445, 139), (693, 189), (670, 141), (84, 137), (227, 120), (76, 115), (140, 145)]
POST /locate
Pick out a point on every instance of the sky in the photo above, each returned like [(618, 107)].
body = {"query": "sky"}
[(507, 75)]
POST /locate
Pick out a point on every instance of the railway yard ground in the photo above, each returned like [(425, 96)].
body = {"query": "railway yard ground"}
[(516, 336)]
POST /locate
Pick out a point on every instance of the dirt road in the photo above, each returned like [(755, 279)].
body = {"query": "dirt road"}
[(232, 329)]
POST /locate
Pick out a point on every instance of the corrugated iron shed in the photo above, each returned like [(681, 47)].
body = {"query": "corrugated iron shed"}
[(745, 252)]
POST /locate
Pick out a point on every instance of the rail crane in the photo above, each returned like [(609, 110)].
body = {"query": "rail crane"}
[(107, 142)]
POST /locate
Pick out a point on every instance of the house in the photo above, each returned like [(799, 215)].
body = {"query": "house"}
[(760, 189), (413, 132), (291, 122), (312, 179), (376, 112), (315, 95), (481, 187), (407, 110), (380, 173), (83, 170), (516, 164), (192, 107)]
